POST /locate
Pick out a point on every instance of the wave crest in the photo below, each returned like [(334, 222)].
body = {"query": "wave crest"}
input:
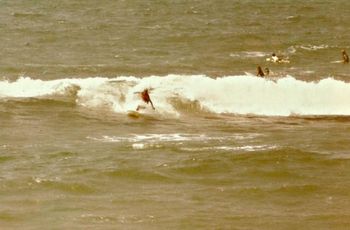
[(178, 94)]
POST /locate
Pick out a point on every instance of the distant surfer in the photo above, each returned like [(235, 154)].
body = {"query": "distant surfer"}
[(260, 72), (267, 71), (345, 57), (146, 98), (277, 59), (274, 58)]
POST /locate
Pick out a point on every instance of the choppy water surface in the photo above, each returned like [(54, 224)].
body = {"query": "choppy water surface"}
[(111, 38), (224, 149)]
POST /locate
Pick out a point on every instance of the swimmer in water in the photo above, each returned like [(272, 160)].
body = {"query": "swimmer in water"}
[(267, 71), (260, 72), (277, 59), (274, 58)]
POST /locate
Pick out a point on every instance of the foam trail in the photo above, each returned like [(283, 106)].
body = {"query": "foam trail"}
[(232, 94)]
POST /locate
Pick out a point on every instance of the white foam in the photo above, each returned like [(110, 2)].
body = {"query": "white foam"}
[(313, 47), (246, 148), (244, 94), (170, 137), (138, 146), (249, 54)]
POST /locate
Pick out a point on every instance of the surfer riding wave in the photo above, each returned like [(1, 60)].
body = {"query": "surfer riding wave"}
[(145, 98)]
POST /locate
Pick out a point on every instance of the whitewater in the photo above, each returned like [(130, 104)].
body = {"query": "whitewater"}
[(174, 95)]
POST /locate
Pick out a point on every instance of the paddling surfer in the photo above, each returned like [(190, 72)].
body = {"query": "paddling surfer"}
[(277, 59), (274, 58), (146, 98)]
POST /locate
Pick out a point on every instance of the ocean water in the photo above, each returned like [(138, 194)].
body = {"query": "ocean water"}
[(223, 149)]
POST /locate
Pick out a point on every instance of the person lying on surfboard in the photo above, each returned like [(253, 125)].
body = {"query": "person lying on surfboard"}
[(274, 58), (146, 98), (277, 59), (345, 57)]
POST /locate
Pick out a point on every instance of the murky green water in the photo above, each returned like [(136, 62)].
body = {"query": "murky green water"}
[(238, 152)]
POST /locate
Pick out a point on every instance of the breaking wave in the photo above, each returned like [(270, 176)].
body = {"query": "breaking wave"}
[(178, 94)]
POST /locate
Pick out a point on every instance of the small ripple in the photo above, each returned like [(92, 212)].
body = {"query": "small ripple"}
[(9, 216), (5, 158), (97, 218), (303, 189), (57, 183), (247, 148), (123, 219), (135, 174)]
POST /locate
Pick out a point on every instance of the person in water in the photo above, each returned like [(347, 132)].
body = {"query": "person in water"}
[(274, 58), (267, 71), (278, 59), (345, 57), (146, 98), (260, 72)]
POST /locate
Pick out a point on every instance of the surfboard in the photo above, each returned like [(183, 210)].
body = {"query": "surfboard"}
[(280, 60), (145, 115), (133, 114), (339, 61)]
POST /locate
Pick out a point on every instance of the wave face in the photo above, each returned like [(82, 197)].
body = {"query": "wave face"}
[(177, 94)]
